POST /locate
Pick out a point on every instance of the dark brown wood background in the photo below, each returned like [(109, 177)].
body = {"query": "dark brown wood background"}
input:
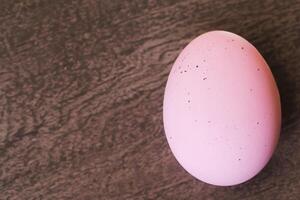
[(81, 92)]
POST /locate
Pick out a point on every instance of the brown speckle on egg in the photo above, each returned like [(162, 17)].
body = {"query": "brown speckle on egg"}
[(204, 78)]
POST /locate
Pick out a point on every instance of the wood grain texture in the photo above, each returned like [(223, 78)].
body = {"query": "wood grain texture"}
[(81, 91)]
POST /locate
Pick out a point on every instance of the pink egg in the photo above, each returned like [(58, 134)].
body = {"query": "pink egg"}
[(222, 113)]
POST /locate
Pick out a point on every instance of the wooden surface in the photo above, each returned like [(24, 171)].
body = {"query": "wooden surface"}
[(81, 91)]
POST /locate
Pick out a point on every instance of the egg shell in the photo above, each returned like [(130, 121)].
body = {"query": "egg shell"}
[(222, 113)]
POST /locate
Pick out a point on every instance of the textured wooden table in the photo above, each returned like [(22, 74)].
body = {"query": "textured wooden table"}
[(81, 91)]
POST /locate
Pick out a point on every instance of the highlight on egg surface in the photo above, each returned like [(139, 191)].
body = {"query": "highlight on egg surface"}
[(222, 113)]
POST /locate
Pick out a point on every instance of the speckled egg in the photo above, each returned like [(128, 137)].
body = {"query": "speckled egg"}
[(222, 113)]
